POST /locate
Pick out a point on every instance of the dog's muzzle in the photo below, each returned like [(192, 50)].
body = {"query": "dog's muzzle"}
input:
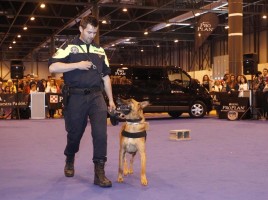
[(123, 108), (118, 113)]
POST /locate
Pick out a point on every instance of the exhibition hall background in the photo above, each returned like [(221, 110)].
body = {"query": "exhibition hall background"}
[(211, 58)]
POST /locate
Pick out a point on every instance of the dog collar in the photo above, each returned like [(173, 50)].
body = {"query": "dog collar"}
[(134, 135), (134, 120)]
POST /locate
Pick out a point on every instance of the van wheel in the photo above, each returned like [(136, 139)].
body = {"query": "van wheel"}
[(198, 109), (174, 114)]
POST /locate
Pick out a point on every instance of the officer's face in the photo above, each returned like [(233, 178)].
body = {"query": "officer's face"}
[(88, 34)]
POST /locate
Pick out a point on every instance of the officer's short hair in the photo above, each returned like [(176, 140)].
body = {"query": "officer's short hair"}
[(89, 19)]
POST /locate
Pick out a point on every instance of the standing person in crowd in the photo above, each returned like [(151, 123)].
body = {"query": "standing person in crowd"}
[(2, 113), (1, 87), (243, 85), (86, 72), (11, 86), (265, 74), (238, 79), (265, 92), (8, 89), (232, 85), (258, 83), (224, 82), (206, 82), (40, 86), (33, 88)]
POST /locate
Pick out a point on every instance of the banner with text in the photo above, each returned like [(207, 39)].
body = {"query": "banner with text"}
[(14, 100), (205, 26)]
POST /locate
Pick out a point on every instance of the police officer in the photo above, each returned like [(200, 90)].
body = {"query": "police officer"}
[(86, 72)]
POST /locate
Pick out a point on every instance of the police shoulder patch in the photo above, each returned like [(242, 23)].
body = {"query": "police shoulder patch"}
[(74, 50)]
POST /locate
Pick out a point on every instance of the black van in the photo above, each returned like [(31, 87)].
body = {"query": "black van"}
[(168, 89)]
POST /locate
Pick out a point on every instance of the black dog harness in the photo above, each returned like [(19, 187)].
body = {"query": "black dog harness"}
[(134, 135)]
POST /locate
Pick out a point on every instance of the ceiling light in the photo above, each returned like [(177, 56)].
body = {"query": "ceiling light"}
[(19, 36), (124, 9), (168, 24), (25, 28), (146, 33), (10, 47), (199, 34), (104, 21), (32, 18), (264, 16), (180, 24), (42, 5), (176, 41), (141, 50), (14, 42), (158, 46)]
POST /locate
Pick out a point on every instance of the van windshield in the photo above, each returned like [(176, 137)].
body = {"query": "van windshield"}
[(177, 77)]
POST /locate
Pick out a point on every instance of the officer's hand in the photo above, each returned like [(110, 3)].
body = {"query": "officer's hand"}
[(111, 106), (85, 65)]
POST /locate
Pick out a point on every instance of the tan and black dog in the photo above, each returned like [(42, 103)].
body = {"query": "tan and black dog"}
[(132, 138)]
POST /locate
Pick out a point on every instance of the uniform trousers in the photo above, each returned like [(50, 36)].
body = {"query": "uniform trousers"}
[(79, 109)]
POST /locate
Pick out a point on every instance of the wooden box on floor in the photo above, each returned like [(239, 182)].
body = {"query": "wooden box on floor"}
[(38, 105), (179, 134)]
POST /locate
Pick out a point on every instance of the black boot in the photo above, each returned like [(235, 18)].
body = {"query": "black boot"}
[(100, 178), (69, 167)]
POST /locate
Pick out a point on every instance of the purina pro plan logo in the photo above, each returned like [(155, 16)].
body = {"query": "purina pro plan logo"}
[(54, 99)]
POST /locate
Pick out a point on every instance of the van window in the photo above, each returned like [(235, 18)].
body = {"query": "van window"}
[(140, 74), (147, 74), (156, 74), (177, 77)]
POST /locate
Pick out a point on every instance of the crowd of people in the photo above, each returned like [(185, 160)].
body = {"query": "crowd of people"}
[(238, 83), (230, 83), (28, 85)]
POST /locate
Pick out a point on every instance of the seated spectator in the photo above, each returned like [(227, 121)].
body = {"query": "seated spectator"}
[(52, 88), (217, 87)]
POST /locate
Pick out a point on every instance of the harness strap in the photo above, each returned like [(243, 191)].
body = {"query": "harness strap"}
[(134, 135)]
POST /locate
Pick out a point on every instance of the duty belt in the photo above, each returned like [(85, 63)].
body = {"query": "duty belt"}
[(84, 91)]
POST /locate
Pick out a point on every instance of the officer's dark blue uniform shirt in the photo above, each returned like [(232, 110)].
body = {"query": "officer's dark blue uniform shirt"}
[(77, 51)]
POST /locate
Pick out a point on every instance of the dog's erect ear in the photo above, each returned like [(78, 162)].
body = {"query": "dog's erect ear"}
[(144, 104)]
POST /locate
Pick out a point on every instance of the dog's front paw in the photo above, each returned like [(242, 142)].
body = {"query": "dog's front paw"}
[(120, 179), (144, 181)]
